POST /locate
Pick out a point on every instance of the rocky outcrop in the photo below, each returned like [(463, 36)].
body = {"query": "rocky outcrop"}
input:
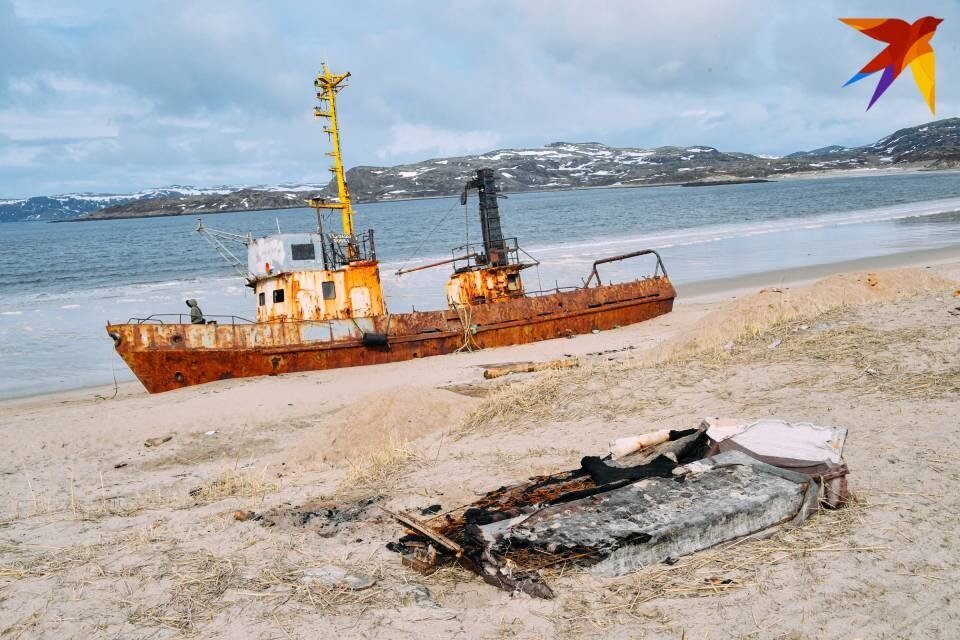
[(242, 200)]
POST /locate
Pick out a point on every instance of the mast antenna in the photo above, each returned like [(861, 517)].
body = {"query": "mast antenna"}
[(328, 86)]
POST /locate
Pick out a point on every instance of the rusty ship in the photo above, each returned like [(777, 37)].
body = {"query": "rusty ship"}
[(320, 304)]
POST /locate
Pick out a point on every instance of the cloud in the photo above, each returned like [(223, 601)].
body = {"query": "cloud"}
[(419, 139), (112, 95)]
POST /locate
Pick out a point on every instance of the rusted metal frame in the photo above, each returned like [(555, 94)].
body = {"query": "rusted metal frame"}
[(313, 346), (180, 317), (586, 292), (557, 316), (402, 271), (316, 346), (554, 316), (158, 359), (549, 292), (535, 261), (643, 252), (511, 247), (541, 306)]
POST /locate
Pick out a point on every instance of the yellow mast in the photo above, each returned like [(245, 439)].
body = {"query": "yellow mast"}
[(329, 85)]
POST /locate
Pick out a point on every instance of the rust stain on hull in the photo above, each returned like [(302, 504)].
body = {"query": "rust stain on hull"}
[(171, 356)]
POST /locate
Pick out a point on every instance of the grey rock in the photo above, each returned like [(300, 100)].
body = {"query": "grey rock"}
[(417, 593)]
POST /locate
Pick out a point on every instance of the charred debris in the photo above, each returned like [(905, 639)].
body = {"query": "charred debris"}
[(665, 495)]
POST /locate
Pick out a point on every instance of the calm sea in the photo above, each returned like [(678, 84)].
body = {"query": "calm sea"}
[(64, 281)]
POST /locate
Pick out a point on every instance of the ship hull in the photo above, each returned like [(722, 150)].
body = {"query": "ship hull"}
[(170, 356)]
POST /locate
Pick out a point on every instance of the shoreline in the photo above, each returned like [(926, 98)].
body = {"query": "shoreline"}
[(721, 288), (802, 175), (692, 297)]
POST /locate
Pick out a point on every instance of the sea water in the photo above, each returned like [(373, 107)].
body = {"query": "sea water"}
[(63, 282)]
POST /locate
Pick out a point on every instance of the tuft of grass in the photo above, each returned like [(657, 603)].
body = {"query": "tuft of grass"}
[(198, 580), (232, 483), (599, 387), (757, 313), (380, 470), (904, 362), (612, 388)]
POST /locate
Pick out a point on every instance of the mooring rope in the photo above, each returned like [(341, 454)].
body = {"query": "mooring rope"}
[(464, 312)]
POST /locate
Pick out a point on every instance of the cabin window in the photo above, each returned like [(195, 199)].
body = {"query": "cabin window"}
[(513, 281), (263, 298), (303, 252), (278, 295), (329, 290)]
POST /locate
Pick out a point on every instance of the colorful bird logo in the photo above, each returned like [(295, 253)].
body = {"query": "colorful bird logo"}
[(907, 44)]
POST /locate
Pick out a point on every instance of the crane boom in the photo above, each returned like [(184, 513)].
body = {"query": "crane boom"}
[(216, 237)]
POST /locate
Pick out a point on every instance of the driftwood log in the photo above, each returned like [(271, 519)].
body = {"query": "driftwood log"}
[(496, 371)]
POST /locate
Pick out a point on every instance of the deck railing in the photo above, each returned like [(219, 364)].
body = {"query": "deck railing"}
[(158, 318)]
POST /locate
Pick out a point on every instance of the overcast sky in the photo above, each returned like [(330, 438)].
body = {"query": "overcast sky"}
[(115, 96)]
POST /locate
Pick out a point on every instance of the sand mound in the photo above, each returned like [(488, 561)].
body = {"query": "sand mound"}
[(566, 392), (758, 312), (378, 421)]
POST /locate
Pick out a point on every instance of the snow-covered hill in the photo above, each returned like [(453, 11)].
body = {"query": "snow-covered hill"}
[(560, 165)]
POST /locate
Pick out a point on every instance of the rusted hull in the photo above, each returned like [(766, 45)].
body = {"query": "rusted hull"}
[(170, 356)]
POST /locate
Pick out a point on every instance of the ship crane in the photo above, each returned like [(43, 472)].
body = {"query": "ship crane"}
[(216, 237)]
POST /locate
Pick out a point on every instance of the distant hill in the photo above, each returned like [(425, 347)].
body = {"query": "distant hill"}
[(245, 199), (176, 200), (564, 165), (557, 166)]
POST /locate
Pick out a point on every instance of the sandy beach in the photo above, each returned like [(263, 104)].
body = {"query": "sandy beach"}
[(102, 536)]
